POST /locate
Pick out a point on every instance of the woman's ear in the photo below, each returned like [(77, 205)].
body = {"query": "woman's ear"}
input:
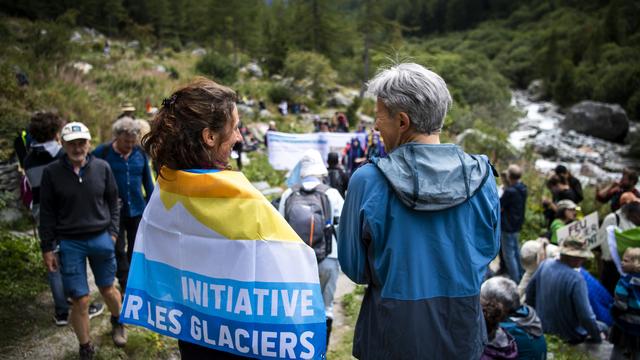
[(208, 137)]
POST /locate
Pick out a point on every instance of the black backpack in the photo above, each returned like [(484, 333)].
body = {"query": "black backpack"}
[(308, 213)]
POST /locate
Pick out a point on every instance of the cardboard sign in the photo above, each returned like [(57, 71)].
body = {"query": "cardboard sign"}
[(586, 228)]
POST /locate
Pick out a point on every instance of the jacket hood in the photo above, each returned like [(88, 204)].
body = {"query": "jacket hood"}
[(52, 148), (526, 318), (432, 177)]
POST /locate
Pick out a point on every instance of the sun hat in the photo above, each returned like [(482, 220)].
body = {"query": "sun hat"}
[(75, 130), (576, 247), (311, 164), (566, 204), (127, 106)]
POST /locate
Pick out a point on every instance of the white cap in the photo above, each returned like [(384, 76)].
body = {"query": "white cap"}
[(75, 130), (311, 164)]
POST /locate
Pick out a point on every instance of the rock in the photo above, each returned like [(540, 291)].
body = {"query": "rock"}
[(83, 67), (161, 69), (199, 52), (605, 121), (135, 44), (264, 113), (535, 90), (252, 69), (10, 215), (339, 100), (245, 111), (76, 37), (547, 150)]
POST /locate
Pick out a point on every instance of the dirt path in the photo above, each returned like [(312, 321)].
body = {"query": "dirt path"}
[(48, 341)]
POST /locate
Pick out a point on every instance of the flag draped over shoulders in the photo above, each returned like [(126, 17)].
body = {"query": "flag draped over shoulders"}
[(216, 265)]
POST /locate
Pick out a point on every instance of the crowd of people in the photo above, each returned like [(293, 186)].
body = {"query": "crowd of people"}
[(570, 302), (415, 220)]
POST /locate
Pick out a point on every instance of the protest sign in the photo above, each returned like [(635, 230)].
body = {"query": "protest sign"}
[(586, 228), (285, 150), (215, 264)]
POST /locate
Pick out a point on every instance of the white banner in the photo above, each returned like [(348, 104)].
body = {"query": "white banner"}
[(285, 150), (586, 228)]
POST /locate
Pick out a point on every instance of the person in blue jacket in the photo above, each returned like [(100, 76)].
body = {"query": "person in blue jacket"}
[(132, 172), (419, 227)]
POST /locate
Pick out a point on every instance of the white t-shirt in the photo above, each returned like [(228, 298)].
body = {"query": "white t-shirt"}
[(335, 200)]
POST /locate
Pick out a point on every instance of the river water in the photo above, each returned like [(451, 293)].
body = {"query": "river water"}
[(590, 159)]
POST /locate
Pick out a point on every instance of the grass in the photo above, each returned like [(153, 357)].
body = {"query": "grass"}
[(351, 304)]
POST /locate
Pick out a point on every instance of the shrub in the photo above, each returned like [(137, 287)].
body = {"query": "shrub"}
[(22, 274), (279, 92), (218, 67), (308, 66)]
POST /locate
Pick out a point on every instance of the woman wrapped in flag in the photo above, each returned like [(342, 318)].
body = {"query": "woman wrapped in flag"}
[(214, 264)]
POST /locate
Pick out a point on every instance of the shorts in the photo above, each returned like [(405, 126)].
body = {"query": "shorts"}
[(100, 250)]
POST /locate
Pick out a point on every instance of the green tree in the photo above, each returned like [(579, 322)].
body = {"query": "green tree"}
[(306, 66)]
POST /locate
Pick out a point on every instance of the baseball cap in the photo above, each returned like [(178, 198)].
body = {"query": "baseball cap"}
[(75, 130), (576, 246)]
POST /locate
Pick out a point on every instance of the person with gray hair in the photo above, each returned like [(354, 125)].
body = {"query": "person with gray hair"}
[(419, 227), (132, 171), (512, 205), (522, 322)]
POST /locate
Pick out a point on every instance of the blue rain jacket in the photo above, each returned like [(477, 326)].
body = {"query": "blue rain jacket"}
[(420, 227)]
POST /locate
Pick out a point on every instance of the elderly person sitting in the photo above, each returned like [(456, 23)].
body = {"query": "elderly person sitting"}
[(522, 322), (559, 294)]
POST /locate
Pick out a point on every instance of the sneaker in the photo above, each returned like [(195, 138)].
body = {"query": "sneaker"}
[(95, 309), (61, 319), (87, 351), (119, 332)]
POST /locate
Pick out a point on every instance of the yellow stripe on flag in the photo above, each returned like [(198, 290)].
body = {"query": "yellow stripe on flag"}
[(227, 203)]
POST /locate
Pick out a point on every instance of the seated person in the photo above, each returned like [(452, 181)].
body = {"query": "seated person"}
[(521, 321), (559, 294)]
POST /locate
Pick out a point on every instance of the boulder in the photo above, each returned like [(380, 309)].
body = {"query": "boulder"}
[(135, 44), (339, 100), (245, 111), (83, 67), (76, 37), (536, 90), (605, 121), (252, 69), (265, 114), (199, 52)]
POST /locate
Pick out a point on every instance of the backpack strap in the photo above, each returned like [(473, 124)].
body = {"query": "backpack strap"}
[(617, 219), (326, 203)]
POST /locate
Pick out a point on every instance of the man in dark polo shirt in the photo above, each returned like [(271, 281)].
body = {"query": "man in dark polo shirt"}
[(79, 209)]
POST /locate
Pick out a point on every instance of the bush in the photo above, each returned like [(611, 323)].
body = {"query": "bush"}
[(279, 92), (218, 67), (22, 273), (305, 66)]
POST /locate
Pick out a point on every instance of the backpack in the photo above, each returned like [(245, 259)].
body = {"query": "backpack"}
[(336, 180), (308, 213)]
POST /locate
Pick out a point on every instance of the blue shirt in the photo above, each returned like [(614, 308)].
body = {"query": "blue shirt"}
[(559, 295), (132, 175)]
